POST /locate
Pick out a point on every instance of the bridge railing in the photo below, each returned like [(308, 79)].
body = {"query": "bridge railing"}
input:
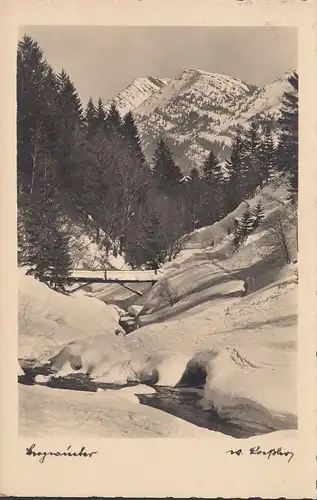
[(114, 275)]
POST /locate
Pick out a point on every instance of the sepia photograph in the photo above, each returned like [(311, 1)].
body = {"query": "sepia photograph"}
[(157, 229)]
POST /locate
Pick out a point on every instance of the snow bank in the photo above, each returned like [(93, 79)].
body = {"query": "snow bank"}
[(107, 414), (240, 389), (48, 319)]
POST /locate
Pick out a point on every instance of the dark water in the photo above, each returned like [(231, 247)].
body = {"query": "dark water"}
[(73, 382), (182, 402), (185, 404), (31, 369)]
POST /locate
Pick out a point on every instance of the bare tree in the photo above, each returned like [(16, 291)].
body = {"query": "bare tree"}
[(278, 228), (113, 186), (169, 292), (290, 212)]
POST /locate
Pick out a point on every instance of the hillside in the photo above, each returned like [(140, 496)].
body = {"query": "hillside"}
[(198, 110)]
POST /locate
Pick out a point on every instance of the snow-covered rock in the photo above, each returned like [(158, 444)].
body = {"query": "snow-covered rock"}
[(127, 318), (130, 393), (41, 379), (134, 310)]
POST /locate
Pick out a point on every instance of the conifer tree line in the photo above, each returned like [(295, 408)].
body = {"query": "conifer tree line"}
[(91, 160)]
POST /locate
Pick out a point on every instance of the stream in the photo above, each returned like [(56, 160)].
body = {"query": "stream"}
[(182, 402)]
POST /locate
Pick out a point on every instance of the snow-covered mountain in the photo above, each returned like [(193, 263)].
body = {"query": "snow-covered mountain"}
[(137, 92), (198, 110)]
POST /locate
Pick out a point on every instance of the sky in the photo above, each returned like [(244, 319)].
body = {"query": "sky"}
[(103, 60)]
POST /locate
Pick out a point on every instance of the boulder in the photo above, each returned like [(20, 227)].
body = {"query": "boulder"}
[(41, 379)]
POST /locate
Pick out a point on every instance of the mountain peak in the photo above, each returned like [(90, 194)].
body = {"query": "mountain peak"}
[(138, 91), (198, 111)]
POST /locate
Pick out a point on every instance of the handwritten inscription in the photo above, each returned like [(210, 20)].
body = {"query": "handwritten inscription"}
[(31, 452), (272, 452)]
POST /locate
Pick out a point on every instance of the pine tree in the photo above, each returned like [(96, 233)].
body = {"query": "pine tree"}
[(155, 243), (215, 200), (245, 226), (193, 198), (101, 114), (91, 119), (132, 138), (267, 155), (43, 244), (194, 174), (236, 185), (252, 145), (113, 122), (68, 98), (210, 170), (258, 215), (165, 170), (70, 120), (32, 102), (288, 144), (146, 242), (59, 262)]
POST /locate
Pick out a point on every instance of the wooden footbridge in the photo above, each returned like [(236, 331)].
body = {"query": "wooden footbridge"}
[(122, 278)]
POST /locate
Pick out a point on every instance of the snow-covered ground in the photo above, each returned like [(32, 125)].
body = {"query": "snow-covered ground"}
[(194, 324)]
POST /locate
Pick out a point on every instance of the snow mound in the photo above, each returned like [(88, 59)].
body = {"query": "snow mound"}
[(98, 356), (48, 319), (130, 393)]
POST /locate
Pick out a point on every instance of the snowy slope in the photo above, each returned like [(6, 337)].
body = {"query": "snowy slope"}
[(48, 320), (137, 92), (246, 346), (198, 110)]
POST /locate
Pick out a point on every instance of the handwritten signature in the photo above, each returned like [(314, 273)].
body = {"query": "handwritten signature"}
[(67, 453), (273, 452)]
